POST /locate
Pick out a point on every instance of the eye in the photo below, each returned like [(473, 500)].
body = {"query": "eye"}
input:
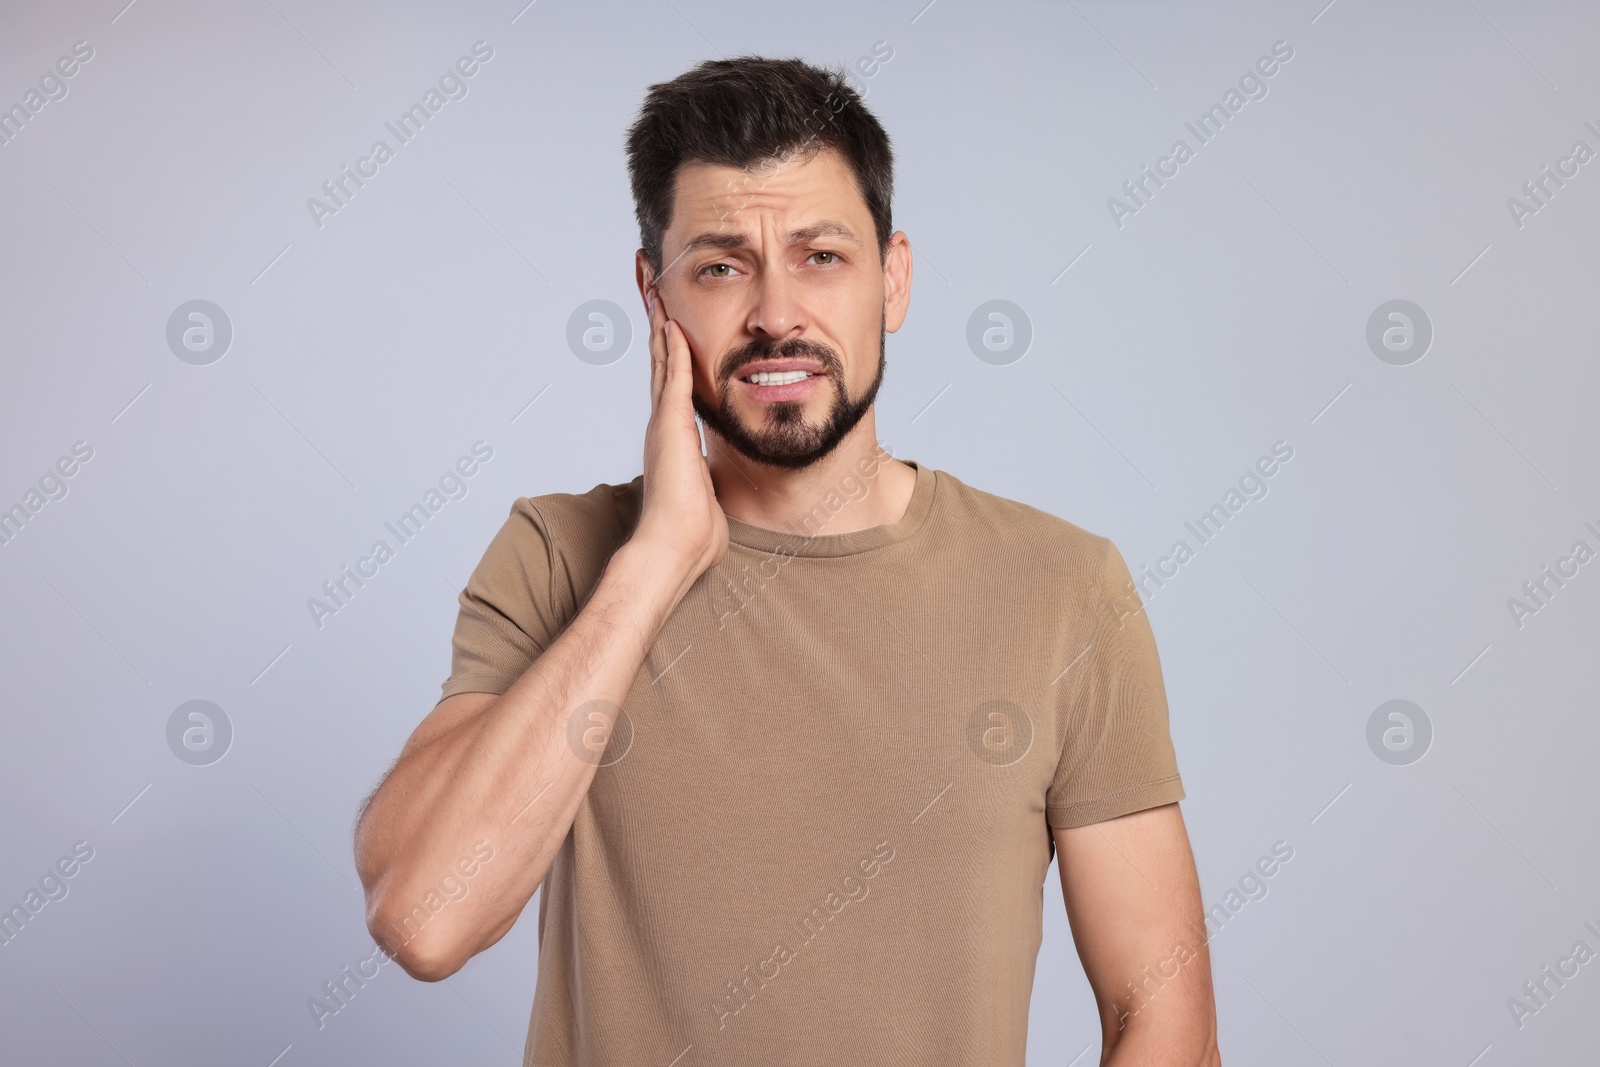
[(715, 269), (833, 257)]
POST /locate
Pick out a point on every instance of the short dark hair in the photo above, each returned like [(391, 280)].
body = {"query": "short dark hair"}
[(745, 111)]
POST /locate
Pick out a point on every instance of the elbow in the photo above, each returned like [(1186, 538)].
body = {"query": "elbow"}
[(428, 965), (421, 948), (1210, 1054)]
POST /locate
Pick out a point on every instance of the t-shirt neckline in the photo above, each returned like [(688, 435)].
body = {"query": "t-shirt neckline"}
[(812, 542)]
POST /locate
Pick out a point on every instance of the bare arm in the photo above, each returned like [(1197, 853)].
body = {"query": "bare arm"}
[(1133, 900), (500, 769)]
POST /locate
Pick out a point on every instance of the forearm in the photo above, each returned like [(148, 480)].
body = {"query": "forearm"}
[(511, 771), (1164, 1014), (1155, 1046), (508, 776)]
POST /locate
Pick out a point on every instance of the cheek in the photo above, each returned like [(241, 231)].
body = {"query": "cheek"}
[(867, 316), (867, 339), (703, 383)]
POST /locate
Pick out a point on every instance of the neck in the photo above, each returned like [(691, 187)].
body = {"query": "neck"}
[(855, 487)]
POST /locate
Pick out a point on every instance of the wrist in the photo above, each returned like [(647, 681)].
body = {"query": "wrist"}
[(655, 570)]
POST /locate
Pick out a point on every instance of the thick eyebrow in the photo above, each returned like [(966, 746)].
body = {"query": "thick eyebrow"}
[(825, 228), (805, 235)]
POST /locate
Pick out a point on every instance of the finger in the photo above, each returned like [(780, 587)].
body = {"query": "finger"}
[(677, 363), (658, 347), (679, 389)]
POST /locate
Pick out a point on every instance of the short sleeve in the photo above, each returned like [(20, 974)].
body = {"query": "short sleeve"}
[(1117, 756), (507, 613)]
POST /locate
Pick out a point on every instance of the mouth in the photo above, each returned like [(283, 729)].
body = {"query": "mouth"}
[(772, 380)]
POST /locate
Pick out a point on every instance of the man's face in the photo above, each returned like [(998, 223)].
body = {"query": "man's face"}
[(775, 278)]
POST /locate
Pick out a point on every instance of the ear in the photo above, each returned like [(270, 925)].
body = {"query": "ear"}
[(896, 281), (645, 275)]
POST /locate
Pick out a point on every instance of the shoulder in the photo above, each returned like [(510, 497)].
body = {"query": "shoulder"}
[(606, 513), (535, 574), (567, 533), (1042, 565), (1009, 526)]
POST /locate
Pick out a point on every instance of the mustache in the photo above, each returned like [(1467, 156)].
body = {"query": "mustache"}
[(767, 348)]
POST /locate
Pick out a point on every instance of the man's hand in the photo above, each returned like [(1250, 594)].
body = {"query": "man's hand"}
[(1134, 903), (498, 768), (681, 516)]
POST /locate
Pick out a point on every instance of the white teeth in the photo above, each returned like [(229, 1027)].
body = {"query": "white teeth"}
[(784, 377)]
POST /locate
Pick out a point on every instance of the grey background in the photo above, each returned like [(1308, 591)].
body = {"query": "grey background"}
[(367, 355)]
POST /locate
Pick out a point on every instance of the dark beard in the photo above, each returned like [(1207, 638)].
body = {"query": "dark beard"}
[(788, 440)]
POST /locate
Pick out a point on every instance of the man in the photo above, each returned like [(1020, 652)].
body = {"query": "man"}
[(788, 731)]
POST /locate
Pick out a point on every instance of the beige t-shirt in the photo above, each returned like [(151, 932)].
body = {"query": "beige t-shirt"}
[(821, 832)]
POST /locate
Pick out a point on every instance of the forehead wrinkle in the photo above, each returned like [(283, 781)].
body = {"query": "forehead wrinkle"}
[(804, 235), (774, 193), (771, 195)]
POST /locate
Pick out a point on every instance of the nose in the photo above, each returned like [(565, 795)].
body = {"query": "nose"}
[(777, 311)]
